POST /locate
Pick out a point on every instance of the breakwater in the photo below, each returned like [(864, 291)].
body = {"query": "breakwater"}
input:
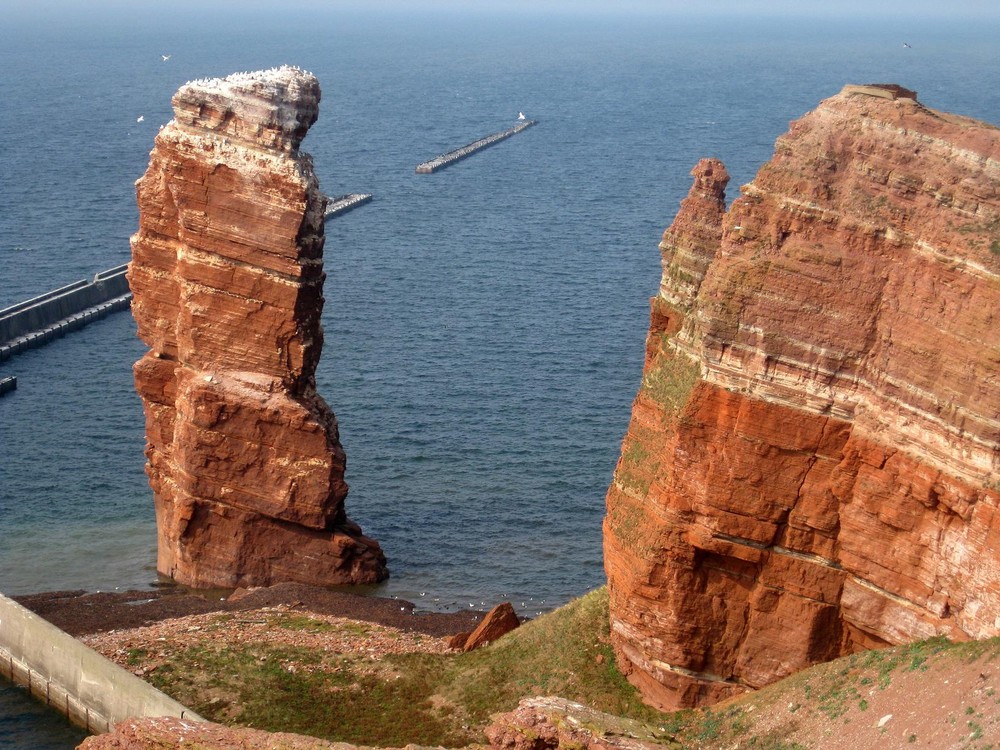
[(458, 154), (7, 385), (344, 203), (75, 680), (41, 319)]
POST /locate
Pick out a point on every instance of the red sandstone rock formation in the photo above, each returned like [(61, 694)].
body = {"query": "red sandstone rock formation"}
[(227, 274), (499, 621), (813, 461), (156, 733), (549, 723)]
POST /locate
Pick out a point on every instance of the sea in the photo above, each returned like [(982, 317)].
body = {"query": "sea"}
[(484, 325)]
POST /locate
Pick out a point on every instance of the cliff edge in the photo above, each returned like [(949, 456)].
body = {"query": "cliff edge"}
[(227, 274), (812, 466)]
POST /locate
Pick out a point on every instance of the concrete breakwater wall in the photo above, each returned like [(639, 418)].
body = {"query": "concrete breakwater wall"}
[(41, 319), (344, 203), (458, 154), (60, 671)]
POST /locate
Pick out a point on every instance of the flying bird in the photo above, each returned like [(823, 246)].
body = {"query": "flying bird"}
[(907, 46), (140, 118), (520, 116), (165, 57)]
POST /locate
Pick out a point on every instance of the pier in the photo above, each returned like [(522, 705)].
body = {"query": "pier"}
[(458, 154), (42, 319), (344, 203)]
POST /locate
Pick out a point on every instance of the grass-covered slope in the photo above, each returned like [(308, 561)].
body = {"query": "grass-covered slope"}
[(932, 692), (422, 698)]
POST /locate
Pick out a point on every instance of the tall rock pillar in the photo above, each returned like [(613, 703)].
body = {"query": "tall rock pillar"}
[(227, 274)]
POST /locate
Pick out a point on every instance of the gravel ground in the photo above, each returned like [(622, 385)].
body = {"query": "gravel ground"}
[(81, 613), (267, 626)]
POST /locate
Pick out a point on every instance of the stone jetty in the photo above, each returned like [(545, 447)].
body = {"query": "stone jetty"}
[(446, 160)]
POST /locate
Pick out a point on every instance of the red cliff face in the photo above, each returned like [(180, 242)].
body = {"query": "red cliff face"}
[(813, 462), (227, 274)]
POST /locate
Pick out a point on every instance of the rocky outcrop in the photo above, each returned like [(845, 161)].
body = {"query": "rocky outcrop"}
[(227, 275), (547, 723), (499, 621), (813, 461), (163, 732)]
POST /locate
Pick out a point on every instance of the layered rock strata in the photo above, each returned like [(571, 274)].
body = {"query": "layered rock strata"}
[(227, 274), (813, 461)]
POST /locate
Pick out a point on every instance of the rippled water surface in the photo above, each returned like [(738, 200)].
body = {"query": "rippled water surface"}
[(484, 325), (25, 724)]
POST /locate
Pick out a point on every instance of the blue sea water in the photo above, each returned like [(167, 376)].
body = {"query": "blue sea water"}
[(26, 724), (484, 325)]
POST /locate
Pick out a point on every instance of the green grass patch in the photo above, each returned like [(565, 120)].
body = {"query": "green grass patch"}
[(976, 730), (988, 231), (565, 653), (624, 521), (363, 706), (308, 624), (136, 656), (670, 380), (884, 662), (636, 468), (838, 698), (426, 699)]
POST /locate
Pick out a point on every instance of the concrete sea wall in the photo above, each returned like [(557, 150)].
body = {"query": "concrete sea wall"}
[(60, 671), (41, 319), (343, 203)]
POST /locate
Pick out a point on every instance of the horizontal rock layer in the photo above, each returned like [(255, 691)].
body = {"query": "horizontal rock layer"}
[(227, 276), (813, 461)]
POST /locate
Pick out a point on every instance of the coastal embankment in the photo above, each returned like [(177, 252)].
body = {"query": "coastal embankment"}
[(341, 204), (75, 680), (41, 319)]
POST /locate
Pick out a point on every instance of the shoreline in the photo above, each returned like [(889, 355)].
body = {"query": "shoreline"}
[(80, 612)]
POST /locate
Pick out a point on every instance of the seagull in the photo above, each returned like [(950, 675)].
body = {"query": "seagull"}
[(907, 46), (165, 57), (140, 118), (520, 116)]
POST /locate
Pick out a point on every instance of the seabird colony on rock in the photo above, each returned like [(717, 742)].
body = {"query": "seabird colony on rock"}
[(246, 76)]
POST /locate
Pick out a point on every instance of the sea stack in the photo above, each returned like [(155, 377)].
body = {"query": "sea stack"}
[(812, 467), (243, 454)]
